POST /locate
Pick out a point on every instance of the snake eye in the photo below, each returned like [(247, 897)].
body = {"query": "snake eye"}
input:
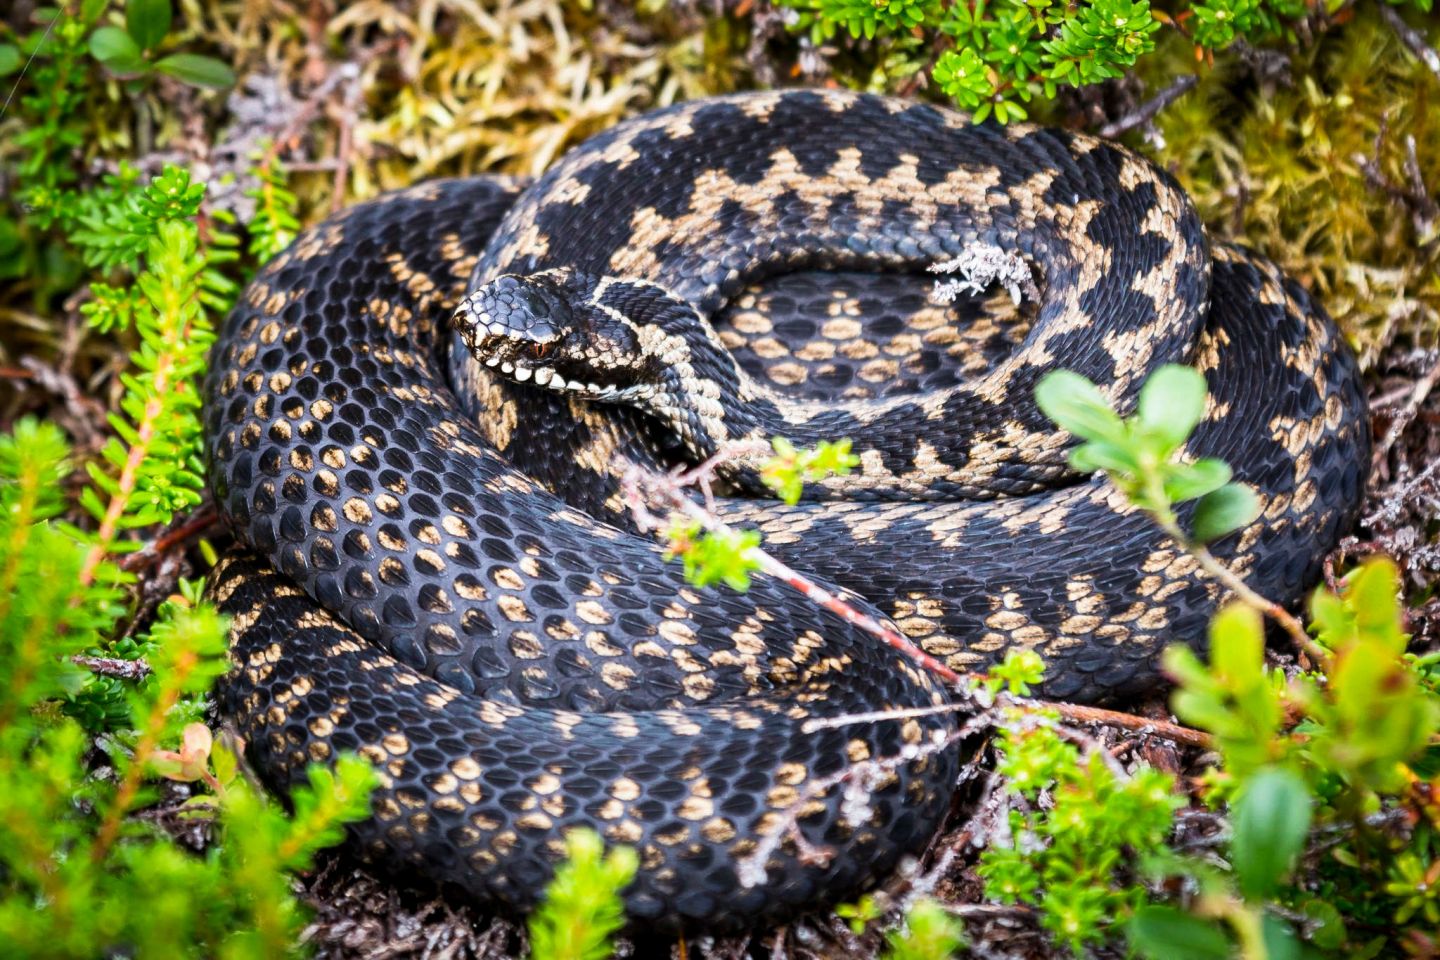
[(541, 350)]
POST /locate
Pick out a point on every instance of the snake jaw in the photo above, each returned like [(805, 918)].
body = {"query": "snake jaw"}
[(549, 329)]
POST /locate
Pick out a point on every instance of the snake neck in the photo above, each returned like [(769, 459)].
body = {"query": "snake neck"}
[(701, 392)]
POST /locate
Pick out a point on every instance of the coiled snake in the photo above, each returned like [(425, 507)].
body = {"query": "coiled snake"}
[(435, 570)]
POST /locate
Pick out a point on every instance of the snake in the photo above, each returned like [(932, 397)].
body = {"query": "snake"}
[(435, 567)]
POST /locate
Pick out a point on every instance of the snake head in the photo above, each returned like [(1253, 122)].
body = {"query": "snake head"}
[(551, 329)]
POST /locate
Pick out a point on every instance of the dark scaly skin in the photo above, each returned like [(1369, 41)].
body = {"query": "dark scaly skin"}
[(341, 456), (759, 184), (1077, 575)]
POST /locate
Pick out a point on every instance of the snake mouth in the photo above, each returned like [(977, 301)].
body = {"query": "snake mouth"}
[(551, 379)]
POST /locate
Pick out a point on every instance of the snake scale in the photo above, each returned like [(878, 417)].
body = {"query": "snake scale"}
[(434, 568)]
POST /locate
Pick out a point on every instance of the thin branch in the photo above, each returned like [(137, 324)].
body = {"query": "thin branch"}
[(310, 108), (343, 151), (14, 87), (130, 473), (1413, 41), (137, 669), (144, 749), (669, 488), (1233, 582), (1148, 110), (638, 484), (1418, 393), (1072, 712), (180, 532), (1077, 713)]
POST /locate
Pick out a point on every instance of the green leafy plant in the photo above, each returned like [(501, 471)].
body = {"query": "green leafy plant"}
[(929, 933), (718, 554), (1300, 753), (132, 52), (154, 466), (1080, 831), (75, 862), (582, 908), (275, 223), (1140, 454), (1342, 749), (995, 55), (1143, 456)]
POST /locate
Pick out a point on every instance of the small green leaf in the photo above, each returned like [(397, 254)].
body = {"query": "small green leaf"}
[(1272, 818), (1077, 405), (1280, 940), (1224, 511), (1190, 480), (1100, 455), (1237, 643), (197, 71), (582, 908), (10, 59), (929, 934), (1172, 401), (116, 51), (147, 21), (1165, 933)]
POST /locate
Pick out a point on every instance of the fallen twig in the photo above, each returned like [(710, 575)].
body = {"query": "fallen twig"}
[(1416, 198), (137, 669), (181, 531), (1077, 713), (1418, 393), (1413, 41), (638, 484), (1150, 108), (349, 106)]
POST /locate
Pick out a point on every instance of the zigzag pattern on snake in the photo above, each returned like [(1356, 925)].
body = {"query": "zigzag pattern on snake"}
[(435, 569)]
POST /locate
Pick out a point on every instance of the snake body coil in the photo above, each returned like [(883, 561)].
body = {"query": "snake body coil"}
[(436, 571)]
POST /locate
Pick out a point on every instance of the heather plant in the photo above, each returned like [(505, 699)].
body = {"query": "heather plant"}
[(1324, 768), (993, 57), (104, 698), (76, 863)]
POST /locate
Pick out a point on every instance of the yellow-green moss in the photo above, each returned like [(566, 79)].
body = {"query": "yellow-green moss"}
[(1279, 169)]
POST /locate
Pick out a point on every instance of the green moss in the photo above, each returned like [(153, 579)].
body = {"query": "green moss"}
[(1280, 168)]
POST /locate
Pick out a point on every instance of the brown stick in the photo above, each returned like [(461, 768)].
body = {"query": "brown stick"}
[(1413, 41), (202, 519), (637, 483), (114, 667), (1077, 713), (1147, 111), (346, 145), (1418, 393)]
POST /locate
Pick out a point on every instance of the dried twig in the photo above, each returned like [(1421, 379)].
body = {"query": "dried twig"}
[(345, 72), (1147, 111), (1413, 41), (639, 485), (177, 534), (1418, 393), (137, 669), (86, 414), (1076, 713), (349, 108), (857, 780), (1414, 197)]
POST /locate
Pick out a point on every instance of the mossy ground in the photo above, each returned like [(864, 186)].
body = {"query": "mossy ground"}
[(1325, 156)]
